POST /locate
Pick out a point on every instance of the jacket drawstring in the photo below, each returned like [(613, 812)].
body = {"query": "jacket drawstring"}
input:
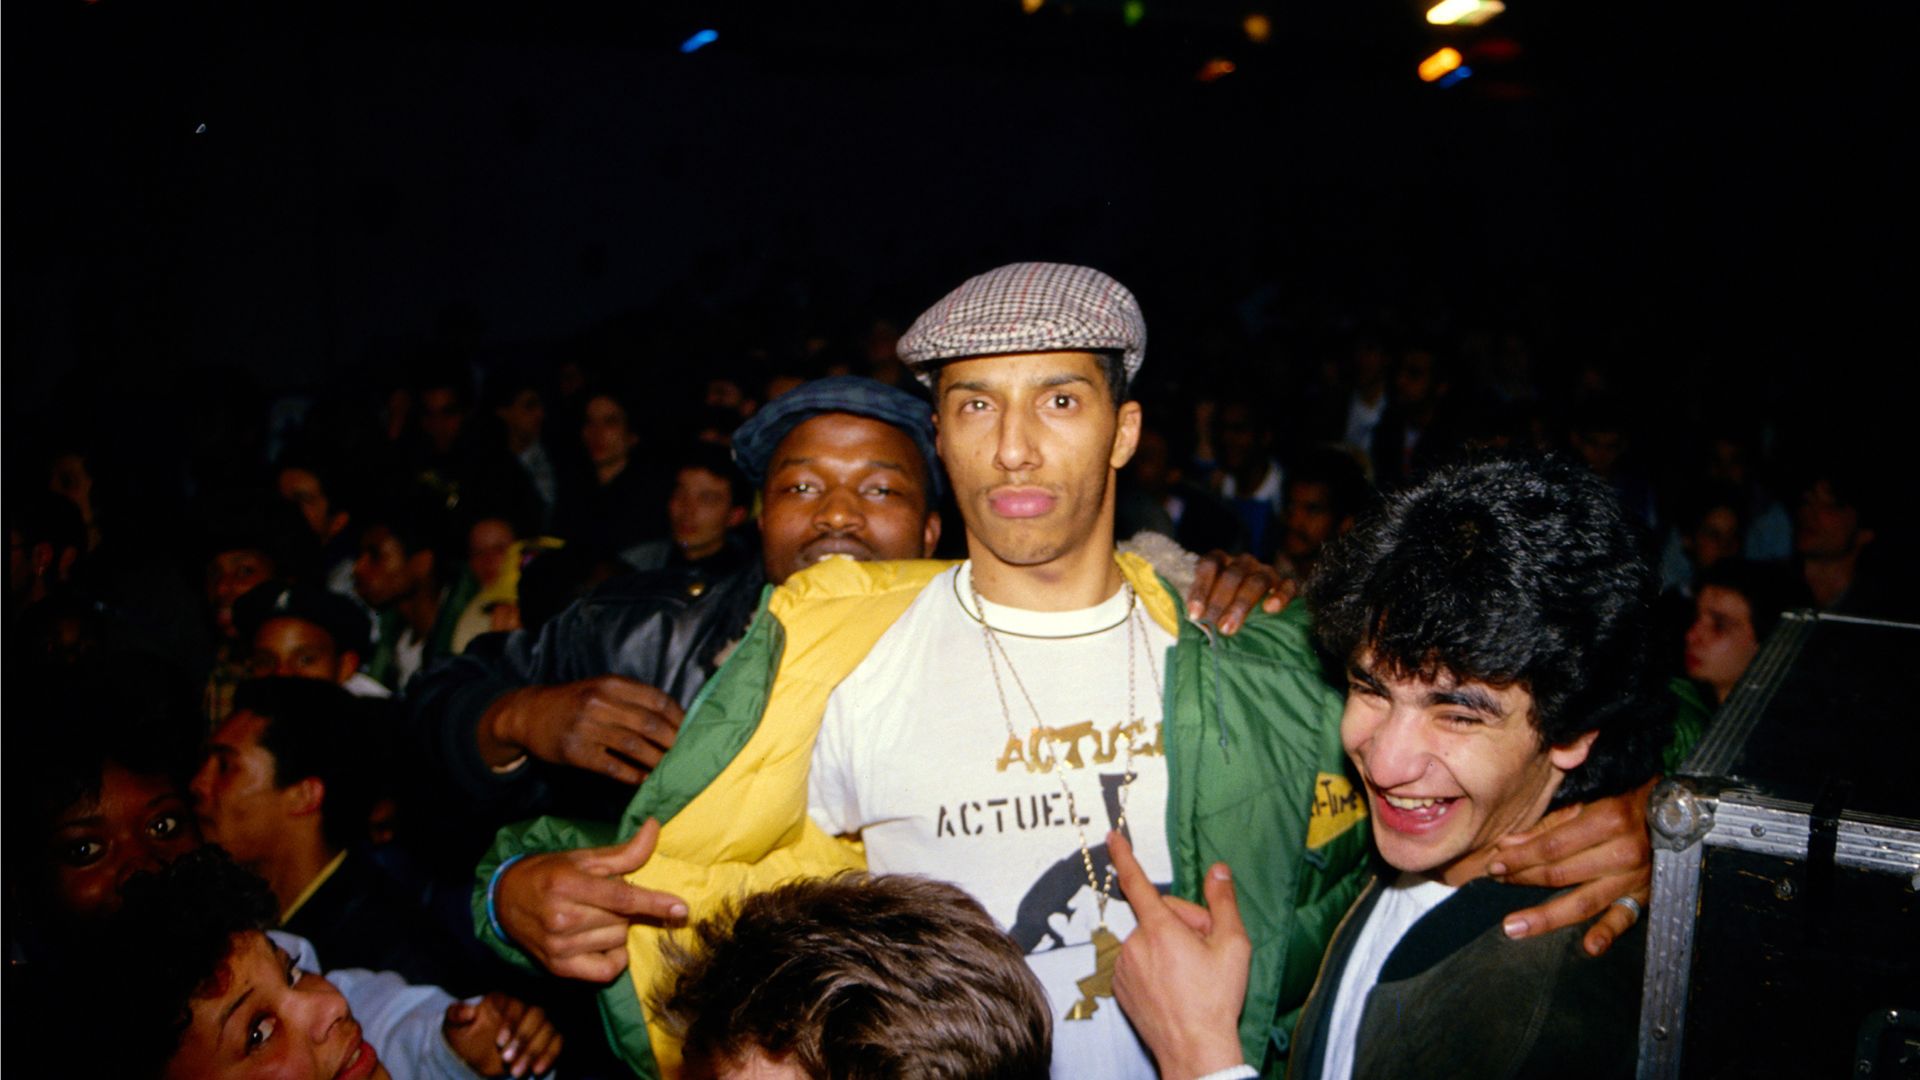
[(1219, 711)]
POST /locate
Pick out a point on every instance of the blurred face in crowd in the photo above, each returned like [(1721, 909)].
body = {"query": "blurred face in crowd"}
[(1826, 528), (300, 649), (1600, 448), (1152, 466), (1450, 767), (1031, 443), (1717, 536), (701, 510), (1310, 520), (138, 822), (68, 476), (840, 484), (441, 417), (1240, 436), (605, 432), (303, 489), (523, 418), (234, 794), (263, 1018), (230, 574), (19, 563), (487, 545), (1721, 641), (1413, 381), (385, 572)]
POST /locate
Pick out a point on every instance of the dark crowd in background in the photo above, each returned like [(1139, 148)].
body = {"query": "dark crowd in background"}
[(191, 536)]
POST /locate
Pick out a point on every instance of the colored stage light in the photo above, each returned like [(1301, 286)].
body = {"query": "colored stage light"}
[(1258, 28), (1133, 11), (1214, 69), (1454, 77), (1031, 6), (699, 41), (1464, 12), (1433, 67)]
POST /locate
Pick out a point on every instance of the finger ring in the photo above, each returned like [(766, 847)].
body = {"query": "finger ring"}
[(1633, 908)]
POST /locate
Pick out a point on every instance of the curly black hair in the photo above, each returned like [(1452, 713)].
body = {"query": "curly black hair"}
[(176, 931), (1509, 569)]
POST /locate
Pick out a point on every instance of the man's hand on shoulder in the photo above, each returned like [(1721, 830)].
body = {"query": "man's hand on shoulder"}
[(570, 910), (610, 725), (1600, 846), (1226, 589), (1182, 973)]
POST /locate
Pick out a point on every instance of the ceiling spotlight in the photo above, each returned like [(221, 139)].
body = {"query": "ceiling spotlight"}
[(1464, 12)]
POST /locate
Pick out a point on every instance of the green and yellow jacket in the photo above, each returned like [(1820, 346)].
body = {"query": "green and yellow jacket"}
[(1257, 779)]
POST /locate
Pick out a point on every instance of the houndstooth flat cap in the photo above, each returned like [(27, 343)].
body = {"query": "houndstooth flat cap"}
[(1028, 307)]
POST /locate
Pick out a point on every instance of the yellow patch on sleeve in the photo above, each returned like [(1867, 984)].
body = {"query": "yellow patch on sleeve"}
[(1337, 807)]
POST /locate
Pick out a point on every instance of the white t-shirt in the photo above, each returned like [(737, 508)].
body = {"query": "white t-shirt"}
[(915, 755), (1401, 904)]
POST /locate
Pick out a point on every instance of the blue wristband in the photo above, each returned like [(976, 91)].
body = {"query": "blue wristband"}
[(493, 886)]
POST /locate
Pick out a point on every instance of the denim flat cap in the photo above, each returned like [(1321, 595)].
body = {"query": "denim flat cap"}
[(1025, 308), (755, 441)]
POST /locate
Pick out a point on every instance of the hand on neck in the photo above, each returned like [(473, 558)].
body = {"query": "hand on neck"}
[(1077, 580)]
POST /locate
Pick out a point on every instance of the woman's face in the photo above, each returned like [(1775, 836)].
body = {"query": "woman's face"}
[(138, 822), (267, 1020), (605, 432)]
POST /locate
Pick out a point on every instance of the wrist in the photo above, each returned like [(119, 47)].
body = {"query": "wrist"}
[(1214, 1058), (1231, 1072), (496, 737), (493, 889)]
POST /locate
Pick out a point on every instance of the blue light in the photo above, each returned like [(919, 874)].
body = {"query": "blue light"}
[(703, 38), (1454, 76)]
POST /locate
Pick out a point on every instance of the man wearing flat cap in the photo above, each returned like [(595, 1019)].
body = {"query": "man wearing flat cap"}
[(987, 722)]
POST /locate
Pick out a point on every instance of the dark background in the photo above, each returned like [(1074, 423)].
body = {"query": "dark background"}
[(1712, 200)]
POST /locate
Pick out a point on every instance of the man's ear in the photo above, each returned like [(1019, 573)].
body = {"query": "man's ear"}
[(930, 534), (1574, 754), (305, 797), (1126, 434), (346, 664), (736, 517)]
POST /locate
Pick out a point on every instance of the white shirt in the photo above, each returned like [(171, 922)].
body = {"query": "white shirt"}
[(916, 755), (1401, 904)]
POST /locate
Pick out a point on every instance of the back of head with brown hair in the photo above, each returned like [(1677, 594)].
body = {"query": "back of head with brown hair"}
[(857, 976)]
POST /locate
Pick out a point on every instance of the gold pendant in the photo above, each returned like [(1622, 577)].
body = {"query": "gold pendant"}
[(1106, 952)]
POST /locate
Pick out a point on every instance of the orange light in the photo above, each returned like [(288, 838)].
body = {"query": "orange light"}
[(1031, 6), (1436, 66), (1214, 69), (1258, 27)]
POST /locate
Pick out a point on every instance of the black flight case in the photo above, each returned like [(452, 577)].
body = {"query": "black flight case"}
[(1784, 936)]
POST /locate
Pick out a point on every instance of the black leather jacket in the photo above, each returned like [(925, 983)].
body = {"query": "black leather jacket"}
[(664, 628)]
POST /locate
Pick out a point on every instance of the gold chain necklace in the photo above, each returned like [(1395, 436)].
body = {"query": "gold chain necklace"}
[(1106, 946)]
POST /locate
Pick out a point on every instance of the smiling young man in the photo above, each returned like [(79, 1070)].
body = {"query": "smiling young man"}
[(1493, 621)]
